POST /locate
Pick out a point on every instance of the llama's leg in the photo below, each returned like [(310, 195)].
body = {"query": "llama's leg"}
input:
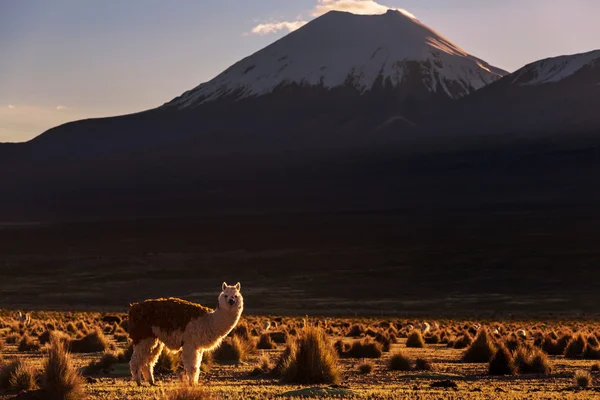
[(140, 358), (191, 363), (155, 354)]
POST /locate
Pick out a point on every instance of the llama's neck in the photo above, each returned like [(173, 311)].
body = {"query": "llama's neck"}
[(223, 320)]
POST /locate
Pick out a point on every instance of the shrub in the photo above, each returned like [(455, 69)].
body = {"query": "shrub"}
[(399, 362), (265, 342), (107, 360), (22, 378), (13, 338), (356, 330), (71, 328), (91, 343), (366, 348), (285, 358), (591, 352), (502, 363), (433, 339), (45, 337), (415, 339), (365, 367), (532, 361), (583, 379), (385, 341), (61, 380), (313, 361), (462, 342), (7, 371), (27, 344), (423, 365), (575, 347), (595, 367), (233, 349), (168, 362), (481, 350), (554, 346), (341, 347)]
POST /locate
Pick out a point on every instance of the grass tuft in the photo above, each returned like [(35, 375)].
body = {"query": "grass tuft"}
[(481, 350), (415, 339), (312, 361), (61, 380)]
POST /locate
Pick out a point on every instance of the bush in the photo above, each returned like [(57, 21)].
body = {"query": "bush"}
[(105, 363), (554, 346), (423, 365), (399, 362), (433, 339), (22, 378), (415, 339), (27, 344), (385, 341), (265, 342), (168, 362), (591, 352), (502, 363), (356, 330), (285, 358), (313, 361), (91, 343), (7, 370), (13, 338), (583, 379), (462, 342), (61, 380), (365, 367), (595, 367), (481, 350), (532, 361), (234, 350), (366, 348), (575, 347)]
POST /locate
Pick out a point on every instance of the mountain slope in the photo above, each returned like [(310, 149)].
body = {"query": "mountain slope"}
[(558, 95), (360, 51)]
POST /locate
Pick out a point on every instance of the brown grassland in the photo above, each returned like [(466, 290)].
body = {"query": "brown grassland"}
[(327, 357)]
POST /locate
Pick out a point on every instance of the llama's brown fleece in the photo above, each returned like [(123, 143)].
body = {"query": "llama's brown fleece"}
[(167, 314)]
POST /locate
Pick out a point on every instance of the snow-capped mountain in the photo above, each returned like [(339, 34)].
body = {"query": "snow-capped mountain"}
[(358, 51), (554, 95), (552, 70)]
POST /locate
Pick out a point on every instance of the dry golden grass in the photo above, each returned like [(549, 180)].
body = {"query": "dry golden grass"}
[(539, 376)]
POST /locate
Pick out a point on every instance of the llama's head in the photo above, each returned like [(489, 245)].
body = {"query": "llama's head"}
[(230, 297)]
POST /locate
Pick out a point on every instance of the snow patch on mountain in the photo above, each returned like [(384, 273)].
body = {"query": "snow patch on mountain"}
[(555, 69), (340, 48)]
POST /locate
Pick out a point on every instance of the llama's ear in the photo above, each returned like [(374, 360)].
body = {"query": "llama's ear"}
[(224, 286), (238, 286)]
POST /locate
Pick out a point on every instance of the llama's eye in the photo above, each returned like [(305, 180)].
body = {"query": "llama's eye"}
[(225, 296)]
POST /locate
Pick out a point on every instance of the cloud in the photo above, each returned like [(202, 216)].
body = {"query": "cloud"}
[(10, 106), (61, 107), (273, 27), (365, 7)]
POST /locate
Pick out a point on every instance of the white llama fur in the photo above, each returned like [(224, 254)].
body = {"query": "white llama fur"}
[(201, 334)]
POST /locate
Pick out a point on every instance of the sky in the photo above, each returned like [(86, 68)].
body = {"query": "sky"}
[(65, 60)]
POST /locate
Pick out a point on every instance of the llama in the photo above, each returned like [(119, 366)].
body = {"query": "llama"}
[(24, 319), (180, 325)]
